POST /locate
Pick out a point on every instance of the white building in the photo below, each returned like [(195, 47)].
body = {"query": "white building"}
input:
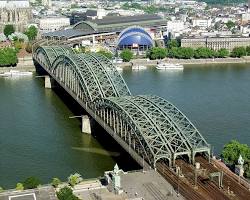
[(203, 23), (175, 26), (53, 23)]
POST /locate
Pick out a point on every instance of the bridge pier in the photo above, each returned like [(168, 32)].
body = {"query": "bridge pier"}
[(86, 124), (48, 82)]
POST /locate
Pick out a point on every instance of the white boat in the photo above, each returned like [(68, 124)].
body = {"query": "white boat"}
[(138, 67), (164, 66), (15, 73)]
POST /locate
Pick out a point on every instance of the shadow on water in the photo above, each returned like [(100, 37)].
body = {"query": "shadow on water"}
[(118, 154)]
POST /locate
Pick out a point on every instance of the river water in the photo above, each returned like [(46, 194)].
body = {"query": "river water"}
[(37, 138)]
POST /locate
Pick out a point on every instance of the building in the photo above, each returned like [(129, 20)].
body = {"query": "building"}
[(216, 43), (137, 39), (203, 23), (17, 12), (53, 23), (47, 3)]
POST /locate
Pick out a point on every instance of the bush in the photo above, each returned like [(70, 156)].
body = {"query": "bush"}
[(107, 54), (19, 186), (238, 52), (55, 182), (8, 30), (157, 53), (126, 55), (8, 57), (31, 33), (74, 179), (31, 183), (66, 193), (1, 189), (28, 48)]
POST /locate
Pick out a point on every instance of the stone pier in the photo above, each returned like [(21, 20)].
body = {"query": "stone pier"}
[(86, 125), (48, 82)]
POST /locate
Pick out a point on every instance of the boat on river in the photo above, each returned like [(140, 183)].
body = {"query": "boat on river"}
[(15, 73), (166, 66), (138, 67)]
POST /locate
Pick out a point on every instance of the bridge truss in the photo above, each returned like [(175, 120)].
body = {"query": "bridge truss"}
[(147, 126)]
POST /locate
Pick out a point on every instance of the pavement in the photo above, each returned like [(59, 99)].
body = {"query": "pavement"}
[(42, 193)]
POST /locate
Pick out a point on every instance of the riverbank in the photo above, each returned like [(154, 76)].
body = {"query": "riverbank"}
[(201, 62), (24, 64)]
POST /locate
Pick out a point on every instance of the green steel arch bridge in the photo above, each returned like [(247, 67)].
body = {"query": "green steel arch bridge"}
[(148, 127)]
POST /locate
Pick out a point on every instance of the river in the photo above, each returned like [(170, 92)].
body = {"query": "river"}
[(37, 138)]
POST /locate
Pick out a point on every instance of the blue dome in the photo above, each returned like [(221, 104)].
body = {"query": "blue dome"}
[(135, 35)]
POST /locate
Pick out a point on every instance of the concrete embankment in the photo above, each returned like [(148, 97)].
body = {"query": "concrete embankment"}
[(24, 64), (200, 62)]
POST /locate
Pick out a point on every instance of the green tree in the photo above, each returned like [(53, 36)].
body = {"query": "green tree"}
[(8, 30), (19, 186), (204, 52), (31, 182), (66, 193), (248, 50), (157, 53), (230, 25), (31, 33), (1, 189), (172, 43), (223, 53), (238, 52), (8, 57), (74, 179), (126, 55), (107, 54), (55, 182)]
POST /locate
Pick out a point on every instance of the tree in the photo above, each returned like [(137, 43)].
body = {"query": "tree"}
[(1, 189), (204, 52), (107, 54), (126, 55), (31, 32), (230, 25), (74, 179), (8, 57), (31, 182), (66, 193), (223, 53), (55, 182), (238, 52), (19, 186), (8, 30), (157, 53), (233, 150), (28, 48), (248, 50), (172, 43)]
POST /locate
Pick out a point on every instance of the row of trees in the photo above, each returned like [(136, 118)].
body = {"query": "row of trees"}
[(202, 52), (30, 32), (231, 153)]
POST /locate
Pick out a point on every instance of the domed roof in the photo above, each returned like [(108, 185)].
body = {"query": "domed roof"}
[(135, 35)]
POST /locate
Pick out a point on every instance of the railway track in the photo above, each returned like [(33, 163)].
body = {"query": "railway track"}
[(205, 189)]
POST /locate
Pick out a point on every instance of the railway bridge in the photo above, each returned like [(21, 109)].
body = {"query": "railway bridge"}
[(148, 127)]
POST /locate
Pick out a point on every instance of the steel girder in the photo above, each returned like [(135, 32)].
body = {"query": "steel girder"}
[(193, 137)]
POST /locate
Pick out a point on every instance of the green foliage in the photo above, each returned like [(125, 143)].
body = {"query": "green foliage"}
[(233, 150), (74, 179), (126, 55), (66, 193), (238, 52), (8, 30), (107, 54), (55, 182), (31, 33), (18, 45), (172, 43), (248, 50), (203, 52), (80, 49), (19, 186), (31, 182), (230, 24), (8, 57), (223, 53), (1, 189), (181, 53), (157, 53)]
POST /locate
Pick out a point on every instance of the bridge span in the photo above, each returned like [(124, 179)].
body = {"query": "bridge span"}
[(148, 127)]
